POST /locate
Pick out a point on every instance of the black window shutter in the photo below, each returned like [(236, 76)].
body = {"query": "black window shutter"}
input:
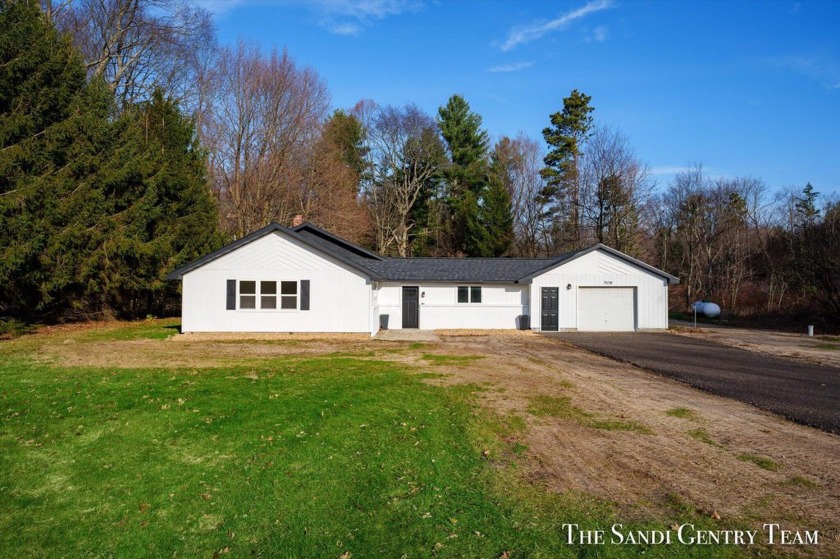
[(304, 295), (231, 295)]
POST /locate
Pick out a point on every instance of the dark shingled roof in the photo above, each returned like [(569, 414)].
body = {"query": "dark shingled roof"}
[(377, 267), (507, 270), (309, 231)]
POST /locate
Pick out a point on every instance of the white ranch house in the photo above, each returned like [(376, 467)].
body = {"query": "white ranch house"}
[(305, 279)]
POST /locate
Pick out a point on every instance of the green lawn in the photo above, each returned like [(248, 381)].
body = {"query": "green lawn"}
[(297, 457)]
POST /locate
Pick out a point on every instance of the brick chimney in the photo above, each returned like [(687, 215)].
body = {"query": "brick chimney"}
[(297, 220)]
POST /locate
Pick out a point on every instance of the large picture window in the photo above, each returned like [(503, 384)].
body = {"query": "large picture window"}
[(469, 293), (264, 293)]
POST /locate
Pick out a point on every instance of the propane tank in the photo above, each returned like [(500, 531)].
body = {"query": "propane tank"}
[(706, 308)]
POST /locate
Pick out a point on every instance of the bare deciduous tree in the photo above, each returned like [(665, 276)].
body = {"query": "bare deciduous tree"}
[(329, 195), (615, 186), (260, 131), (405, 154), (522, 159), (139, 45)]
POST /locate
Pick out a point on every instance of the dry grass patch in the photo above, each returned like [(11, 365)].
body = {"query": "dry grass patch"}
[(562, 408)]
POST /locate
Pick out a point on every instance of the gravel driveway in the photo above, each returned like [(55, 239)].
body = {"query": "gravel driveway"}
[(805, 393)]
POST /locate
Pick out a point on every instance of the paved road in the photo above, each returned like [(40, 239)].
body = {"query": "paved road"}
[(802, 392)]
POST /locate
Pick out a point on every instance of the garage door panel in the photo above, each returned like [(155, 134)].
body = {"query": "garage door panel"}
[(606, 309)]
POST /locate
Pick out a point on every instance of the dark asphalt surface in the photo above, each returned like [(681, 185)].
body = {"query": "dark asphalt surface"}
[(802, 392)]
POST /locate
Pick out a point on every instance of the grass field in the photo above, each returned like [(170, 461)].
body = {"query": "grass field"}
[(299, 456)]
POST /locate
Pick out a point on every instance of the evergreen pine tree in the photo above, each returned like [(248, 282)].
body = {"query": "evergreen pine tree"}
[(42, 107), (466, 174), (497, 218), (95, 209), (565, 137), (158, 210)]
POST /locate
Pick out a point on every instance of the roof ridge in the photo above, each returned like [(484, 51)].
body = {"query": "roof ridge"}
[(353, 247)]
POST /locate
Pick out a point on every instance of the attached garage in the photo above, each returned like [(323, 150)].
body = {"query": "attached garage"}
[(599, 289), (606, 309)]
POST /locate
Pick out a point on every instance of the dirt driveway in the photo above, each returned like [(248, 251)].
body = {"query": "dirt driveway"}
[(803, 392)]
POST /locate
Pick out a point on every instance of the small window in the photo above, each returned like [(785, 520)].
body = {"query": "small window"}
[(288, 294), (247, 294), (469, 293), (463, 294), (268, 294)]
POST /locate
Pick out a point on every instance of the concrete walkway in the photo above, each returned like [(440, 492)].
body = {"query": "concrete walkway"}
[(408, 335)]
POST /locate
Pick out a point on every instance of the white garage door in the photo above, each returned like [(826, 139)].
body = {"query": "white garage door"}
[(606, 309)]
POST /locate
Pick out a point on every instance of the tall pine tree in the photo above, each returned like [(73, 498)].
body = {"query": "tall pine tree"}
[(44, 104), (95, 208), (565, 138), (465, 175)]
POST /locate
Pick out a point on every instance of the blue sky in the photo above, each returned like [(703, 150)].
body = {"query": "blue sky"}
[(745, 88)]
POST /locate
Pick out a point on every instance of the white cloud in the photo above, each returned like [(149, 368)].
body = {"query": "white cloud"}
[(347, 29), (527, 33), (366, 9), (599, 34), (818, 68), (350, 17), (218, 7), (340, 17), (514, 67)]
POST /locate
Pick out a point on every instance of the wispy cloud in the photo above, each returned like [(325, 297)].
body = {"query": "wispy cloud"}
[(367, 9), (340, 17), (219, 7), (347, 29), (531, 32), (350, 17), (600, 33), (821, 69), (514, 67)]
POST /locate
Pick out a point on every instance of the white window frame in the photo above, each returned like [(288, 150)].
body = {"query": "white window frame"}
[(277, 295)]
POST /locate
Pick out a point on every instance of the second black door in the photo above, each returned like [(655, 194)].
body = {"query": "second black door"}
[(549, 309), (410, 307)]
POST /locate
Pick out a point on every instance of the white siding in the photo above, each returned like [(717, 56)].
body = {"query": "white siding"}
[(340, 297), (501, 305), (599, 269)]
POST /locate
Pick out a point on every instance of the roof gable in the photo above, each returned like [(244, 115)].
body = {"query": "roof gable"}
[(566, 258), (324, 248)]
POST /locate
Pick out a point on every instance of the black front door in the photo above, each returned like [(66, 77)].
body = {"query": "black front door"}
[(549, 309), (411, 307)]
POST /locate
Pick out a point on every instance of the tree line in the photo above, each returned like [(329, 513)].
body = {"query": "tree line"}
[(131, 143)]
